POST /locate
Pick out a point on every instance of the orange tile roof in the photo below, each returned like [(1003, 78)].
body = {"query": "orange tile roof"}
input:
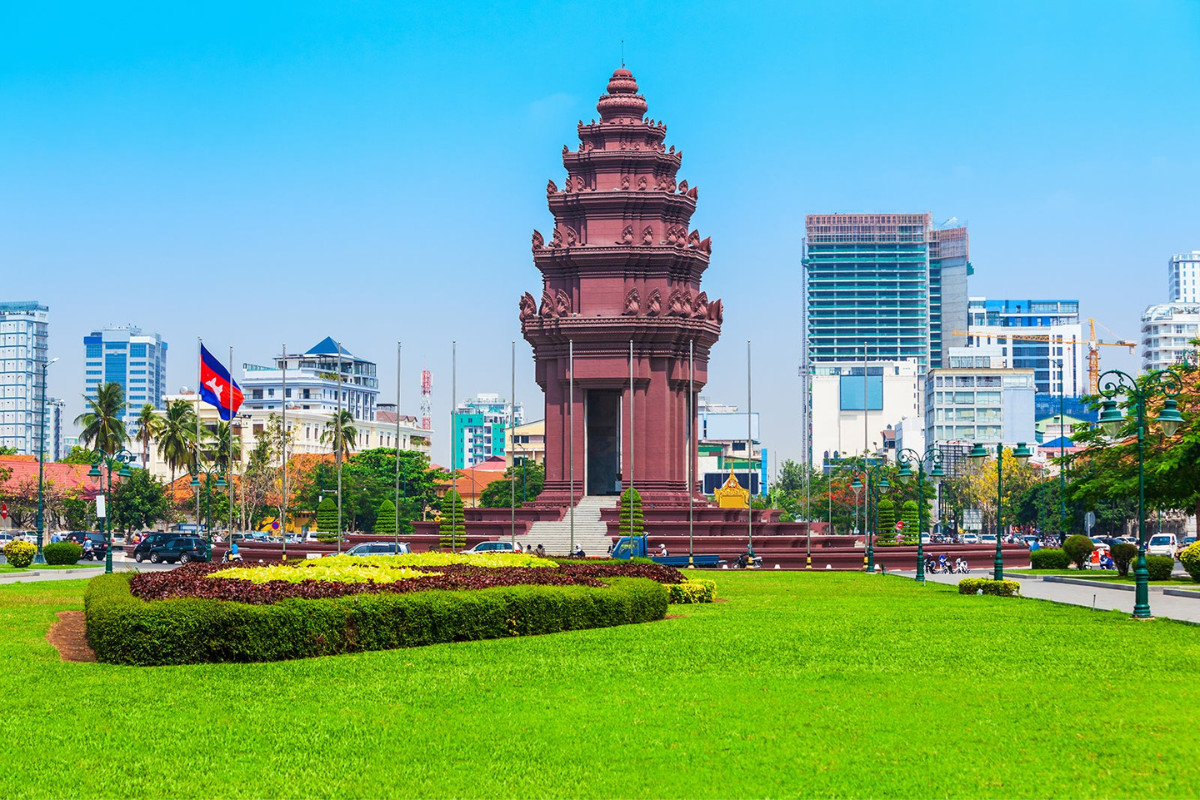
[(63, 476)]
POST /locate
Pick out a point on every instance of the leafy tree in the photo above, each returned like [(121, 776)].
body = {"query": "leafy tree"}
[(385, 519), (7, 451), (630, 517), (790, 477), (885, 522), (103, 425), (139, 502), (177, 437), (146, 426), (78, 455), (974, 486), (451, 526), (327, 515), (525, 481), (217, 444)]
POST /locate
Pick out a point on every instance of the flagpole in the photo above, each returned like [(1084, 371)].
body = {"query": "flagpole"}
[(398, 363), (631, 470), (453, 456), (230, 429), (691, 430), (512, 433), (749, 454), (283, 449), (571, 423), (337, 445), (196, 462)]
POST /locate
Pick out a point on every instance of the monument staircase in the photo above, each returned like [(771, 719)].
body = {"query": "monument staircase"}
[(590, 531)]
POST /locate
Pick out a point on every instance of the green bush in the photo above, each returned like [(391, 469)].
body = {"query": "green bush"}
[(327, 516), (125, 630), (1049, 558), (1160, 567), (910, 516), (385, 518), (629, 517), (1190, 558), (452, 527), (1122, 555), (989, 586), (20, 553), (693, 590), (1078, 548), (62, 553)]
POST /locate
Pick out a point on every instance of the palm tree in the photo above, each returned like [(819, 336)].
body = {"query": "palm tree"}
[(177, 438), (103, 425), (147, 426), (218, 446), (349, 434)]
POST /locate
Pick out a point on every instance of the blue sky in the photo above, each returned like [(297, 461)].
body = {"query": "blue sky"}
[(260, 173)]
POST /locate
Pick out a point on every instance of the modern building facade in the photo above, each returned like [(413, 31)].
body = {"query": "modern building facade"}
[(850, 411), (526, 443), (136, 361), (24, 342), (888, 286), (1183, 277), (1167, 333), (985, 405), (312, 382), (480, 425), (1045, 336)]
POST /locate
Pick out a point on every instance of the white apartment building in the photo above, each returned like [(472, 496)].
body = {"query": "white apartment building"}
[(126, 356), (979, 404), (1167, 332), (850, 410), (312, 382), (24, 334), (1183, 277)]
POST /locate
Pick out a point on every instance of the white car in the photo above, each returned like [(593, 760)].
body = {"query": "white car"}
[(1162, 544), (492, 547), (971, 538), (987, 538)]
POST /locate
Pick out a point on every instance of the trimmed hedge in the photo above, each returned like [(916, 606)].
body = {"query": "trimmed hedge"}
[(62, 553), (1078, 549), (1122, 555), (1160, 567), (1190, 558), (989, 586), (125, 630), (1049, 558), (699, 590), (19, 553)]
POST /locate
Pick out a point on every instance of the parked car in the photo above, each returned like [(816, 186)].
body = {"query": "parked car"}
[(99, 542), (493, 547), (1188, 541), (378, 549), (971, 538), (987, 538), (1162, 544), (179, 548), (5, 538), (141, 550)]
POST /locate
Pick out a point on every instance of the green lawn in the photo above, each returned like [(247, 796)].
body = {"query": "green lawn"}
[(1108, 576), (828, 685)]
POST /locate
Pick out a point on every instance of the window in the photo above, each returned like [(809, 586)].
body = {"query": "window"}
[(137, 351), (965, 398), (92, 351)]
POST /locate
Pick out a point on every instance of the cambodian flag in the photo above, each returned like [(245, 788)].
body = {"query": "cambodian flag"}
[(217, 388)]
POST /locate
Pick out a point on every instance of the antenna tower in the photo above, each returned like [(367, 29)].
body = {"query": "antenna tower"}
[(426, 399)]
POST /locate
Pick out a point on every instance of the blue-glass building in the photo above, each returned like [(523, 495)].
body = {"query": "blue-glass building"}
[(126, 356)]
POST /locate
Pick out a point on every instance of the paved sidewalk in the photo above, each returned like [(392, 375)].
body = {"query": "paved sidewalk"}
[(1186, 609), (119, 565)]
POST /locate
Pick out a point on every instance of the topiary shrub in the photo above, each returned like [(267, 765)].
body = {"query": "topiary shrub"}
[(125, 630), (1190, 558), (1049, 558), (385, 518), (989, 586), (885, 522), (62, 553), (1078, 548), (1123, 555), (912, 521), (630, 520), (693, 590), (327, 520), (20, 553), (1160, 567), (452, 526)]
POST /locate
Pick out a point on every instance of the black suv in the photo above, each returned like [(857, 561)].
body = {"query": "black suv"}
[(180, 548), (141, 550), (99, 543)]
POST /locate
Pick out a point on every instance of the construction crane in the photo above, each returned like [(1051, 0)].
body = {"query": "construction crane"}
[(1093, 344)]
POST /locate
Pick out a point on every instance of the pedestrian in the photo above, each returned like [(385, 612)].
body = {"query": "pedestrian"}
[(541, 551)]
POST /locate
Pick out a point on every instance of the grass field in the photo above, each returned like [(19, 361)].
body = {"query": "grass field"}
[(800, 685)]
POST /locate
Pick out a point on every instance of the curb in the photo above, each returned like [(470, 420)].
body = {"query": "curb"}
[(1182, 593), (1124, 587)]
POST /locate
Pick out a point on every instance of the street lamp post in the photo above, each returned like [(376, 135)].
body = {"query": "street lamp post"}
[(209, 472), (38, 557), (103, 457), (875, 479), (1160, 383), (907, 459), (1021, 454)]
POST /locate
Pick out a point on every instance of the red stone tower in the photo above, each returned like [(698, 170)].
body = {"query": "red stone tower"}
[(621, 265)]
